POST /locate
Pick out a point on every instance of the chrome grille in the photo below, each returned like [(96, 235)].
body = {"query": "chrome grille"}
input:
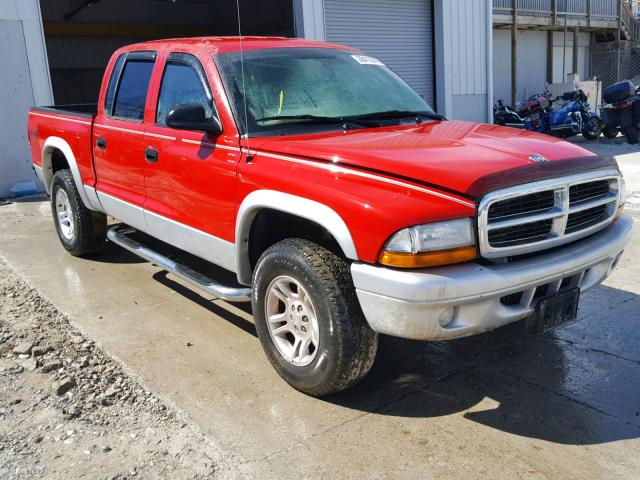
[(520, 234), (541, 215), (588, 191), (525, 204), (579, 220)]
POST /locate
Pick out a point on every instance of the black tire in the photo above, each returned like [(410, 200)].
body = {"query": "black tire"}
[(89, 227), (347, 346), (592, 129), (610, 132), (632, 134)]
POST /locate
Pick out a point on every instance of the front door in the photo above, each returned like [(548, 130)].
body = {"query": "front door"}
[(118, 138), (190, 187)]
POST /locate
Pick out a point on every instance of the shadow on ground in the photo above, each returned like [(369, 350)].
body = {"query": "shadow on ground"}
[(562, 387)]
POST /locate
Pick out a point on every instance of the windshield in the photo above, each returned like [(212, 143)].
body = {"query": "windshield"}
[(313, 88)]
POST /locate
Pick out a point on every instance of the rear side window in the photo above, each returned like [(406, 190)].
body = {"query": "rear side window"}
[(182, 84), (113, 83), (132, 89)]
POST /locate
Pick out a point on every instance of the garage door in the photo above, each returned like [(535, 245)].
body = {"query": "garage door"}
[(399, 32)]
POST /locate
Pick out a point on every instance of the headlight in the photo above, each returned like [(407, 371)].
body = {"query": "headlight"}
[(623, 192), (440, 243), (622, 188)]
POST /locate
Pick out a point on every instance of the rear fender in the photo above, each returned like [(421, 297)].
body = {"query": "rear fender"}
[(87, 194)]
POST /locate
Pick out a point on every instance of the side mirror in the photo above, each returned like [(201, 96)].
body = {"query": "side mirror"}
[(192, 117)]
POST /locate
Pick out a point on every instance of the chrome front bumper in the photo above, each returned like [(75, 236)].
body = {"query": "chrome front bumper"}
[(461, 300)]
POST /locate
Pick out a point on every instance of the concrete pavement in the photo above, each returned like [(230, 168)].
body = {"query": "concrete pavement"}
[(500, 405)]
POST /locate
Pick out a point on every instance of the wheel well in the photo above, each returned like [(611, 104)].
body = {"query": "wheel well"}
[(271, 226), (58, 161), (53, 159)]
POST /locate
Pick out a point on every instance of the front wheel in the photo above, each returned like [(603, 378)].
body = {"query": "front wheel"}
[(309, 320), (591, 128)]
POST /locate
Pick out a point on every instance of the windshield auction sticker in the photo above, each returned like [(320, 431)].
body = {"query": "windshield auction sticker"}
[(367, 60)]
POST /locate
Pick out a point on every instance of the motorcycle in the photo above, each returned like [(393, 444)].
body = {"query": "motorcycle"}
[(621, 110), (506, 116), (568, 115), (564, 116)]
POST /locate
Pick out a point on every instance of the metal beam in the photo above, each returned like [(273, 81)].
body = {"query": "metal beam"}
[(74, 29)]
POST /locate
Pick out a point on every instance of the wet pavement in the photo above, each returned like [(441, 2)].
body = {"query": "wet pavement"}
[(500, 405)]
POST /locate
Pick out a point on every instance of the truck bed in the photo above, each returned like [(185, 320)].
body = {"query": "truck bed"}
[(75, 109), (63, 124)]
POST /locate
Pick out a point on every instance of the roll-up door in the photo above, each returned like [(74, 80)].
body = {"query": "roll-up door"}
[(399, 32)]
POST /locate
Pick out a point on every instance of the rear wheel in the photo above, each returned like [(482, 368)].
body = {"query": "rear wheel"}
[(309, 320), (80, 230), (610, 132), (632, 134), (591, 128)]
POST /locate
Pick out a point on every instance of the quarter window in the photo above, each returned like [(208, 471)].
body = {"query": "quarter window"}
[(181, 85), (132, 91), (113, 83)]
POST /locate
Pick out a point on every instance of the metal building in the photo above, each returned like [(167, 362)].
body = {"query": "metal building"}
[(54, 51)]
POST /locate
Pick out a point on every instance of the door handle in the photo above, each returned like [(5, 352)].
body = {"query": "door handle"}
[(101, 143), (151, 155)]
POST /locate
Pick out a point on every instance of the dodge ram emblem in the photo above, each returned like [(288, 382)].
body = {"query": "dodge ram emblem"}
[(538, 158)]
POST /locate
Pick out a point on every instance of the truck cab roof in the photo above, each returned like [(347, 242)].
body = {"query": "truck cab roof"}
[(216, 45)]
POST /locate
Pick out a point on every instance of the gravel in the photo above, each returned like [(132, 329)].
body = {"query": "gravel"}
[(67, 410)]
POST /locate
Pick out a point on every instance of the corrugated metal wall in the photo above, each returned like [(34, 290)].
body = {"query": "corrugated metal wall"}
[(465, 30), (400, 33), (463, 58)]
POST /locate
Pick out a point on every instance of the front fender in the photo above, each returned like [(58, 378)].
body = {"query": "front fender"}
[(287, 203)]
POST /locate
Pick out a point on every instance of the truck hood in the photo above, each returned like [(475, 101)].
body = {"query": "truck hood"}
[(462, 157)]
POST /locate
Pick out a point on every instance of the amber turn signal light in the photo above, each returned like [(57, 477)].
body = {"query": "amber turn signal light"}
[(619, 211), (428, 259)]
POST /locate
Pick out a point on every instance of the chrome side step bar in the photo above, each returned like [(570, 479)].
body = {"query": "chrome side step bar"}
[(118, 235)]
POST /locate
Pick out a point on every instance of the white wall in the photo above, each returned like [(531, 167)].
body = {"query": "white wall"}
[(24, 82), (563, 49), (502, 65), (532, 61), (531, 66), (463, 43)]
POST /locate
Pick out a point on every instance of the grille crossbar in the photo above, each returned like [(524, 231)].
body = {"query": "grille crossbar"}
[(545, 214)]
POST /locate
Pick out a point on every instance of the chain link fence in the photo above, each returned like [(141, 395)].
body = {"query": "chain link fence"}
[(615, 64)]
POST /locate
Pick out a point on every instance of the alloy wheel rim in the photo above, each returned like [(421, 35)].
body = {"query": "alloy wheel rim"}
[(65, 215), (292, 320)]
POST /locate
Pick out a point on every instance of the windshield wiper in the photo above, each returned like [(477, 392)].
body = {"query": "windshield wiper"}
[(346, 121), (398, 114)]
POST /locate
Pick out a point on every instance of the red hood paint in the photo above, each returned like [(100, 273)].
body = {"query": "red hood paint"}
[(451, 154)]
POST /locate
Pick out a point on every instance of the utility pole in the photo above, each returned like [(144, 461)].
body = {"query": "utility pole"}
[(575, 49), (514, 54), (564, 50), (619, 40)]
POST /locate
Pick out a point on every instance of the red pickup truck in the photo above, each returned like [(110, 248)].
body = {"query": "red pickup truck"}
[(345, 206)]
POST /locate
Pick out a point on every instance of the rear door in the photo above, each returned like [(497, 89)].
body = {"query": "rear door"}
[(190, 194), (118, 138)]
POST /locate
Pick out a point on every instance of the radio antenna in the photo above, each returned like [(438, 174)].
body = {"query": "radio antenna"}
[(244, 95)]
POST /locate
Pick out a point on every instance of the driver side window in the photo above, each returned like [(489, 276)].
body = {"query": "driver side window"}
[(182, 84)]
